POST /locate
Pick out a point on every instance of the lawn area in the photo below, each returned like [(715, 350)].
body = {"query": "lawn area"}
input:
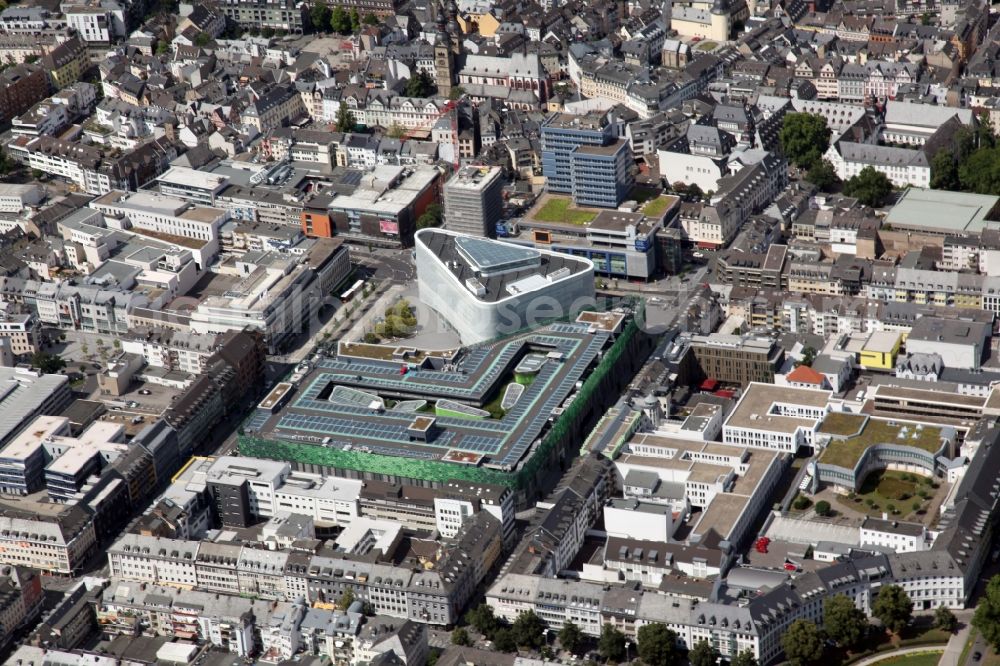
[(658, 206), (841, 423), (561, 210), (919, 659), (917, 634), (706, 46), (889, 488), (845, 451)]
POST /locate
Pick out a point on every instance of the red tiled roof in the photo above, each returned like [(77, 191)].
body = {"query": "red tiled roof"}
[(805, 375)]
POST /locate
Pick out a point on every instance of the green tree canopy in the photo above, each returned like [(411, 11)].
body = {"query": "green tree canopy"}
[(843, 621), (658, 645), (612, 643), (529, 630), (823, 508), (340, 21), (570, 637), (355, 21), (319, 16), (432, 217), (460, 637), (370, 19), (345, 118), (945, 620), (49, 364), (944, 171), (987, 616), (823, 175), (702, 654), (804, 138), (503, 640), (483, 620), (803, 643), (346, 599), (870, 187), (420, 84), (744, 658), (980, 172), (893, 607)]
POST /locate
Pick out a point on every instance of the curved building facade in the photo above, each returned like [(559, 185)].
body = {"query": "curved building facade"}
[(485, 288)]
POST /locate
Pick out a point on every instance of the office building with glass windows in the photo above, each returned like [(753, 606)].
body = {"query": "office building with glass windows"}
[(582, 156)]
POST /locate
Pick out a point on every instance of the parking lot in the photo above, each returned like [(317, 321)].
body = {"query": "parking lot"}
[(142, 398)]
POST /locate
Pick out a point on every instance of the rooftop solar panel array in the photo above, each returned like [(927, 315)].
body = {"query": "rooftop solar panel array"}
[(504, 441)]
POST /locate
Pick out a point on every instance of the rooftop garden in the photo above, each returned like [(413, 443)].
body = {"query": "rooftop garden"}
[(561, 210), (846, 450), (842, 424), (658, 206)]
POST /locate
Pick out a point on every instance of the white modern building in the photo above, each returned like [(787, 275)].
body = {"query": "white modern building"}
[(163, 214), (780, 418), (485, 288), (894, 535)]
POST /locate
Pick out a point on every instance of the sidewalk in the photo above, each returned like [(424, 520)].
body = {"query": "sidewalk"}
[(953, 652)]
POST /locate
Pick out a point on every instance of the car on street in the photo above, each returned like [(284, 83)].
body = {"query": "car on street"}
[(976, 656)]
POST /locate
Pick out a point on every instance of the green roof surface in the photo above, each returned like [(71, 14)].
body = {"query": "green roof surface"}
[(846, 452)]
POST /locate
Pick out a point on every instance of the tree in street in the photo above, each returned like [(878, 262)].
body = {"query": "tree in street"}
[(987, 617), (870, 187), (843, 622), (804, 138), (657, 645), (893, 608), (340, 21), (945, 620), (345, 118), (460, 637), (529, 630), (702, 654), (570, 637), (49, 364), (503, 640), (611, 645), (483, 620), (319, 16), (803, 643), (822, 175), (744, 658)]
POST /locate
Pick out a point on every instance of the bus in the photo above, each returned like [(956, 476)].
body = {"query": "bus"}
[(353, 291)]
